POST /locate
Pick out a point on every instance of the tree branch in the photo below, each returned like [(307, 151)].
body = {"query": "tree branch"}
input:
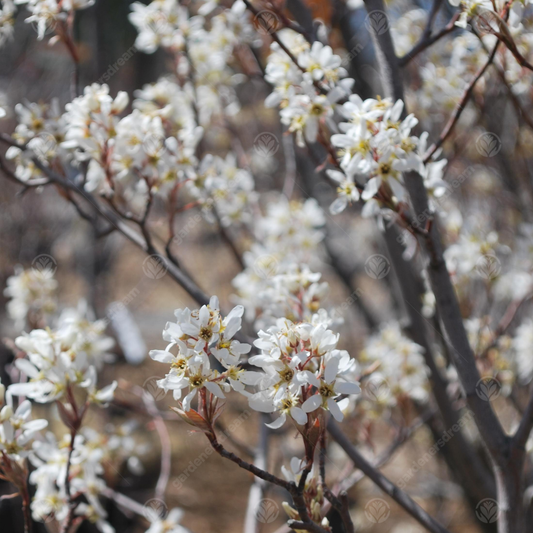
[(399, 496)]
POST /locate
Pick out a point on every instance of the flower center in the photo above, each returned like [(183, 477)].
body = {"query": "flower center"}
[(206, 333)]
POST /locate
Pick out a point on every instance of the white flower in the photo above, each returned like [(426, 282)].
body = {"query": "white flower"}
[(329, 387), (347, 191), (17, 429)]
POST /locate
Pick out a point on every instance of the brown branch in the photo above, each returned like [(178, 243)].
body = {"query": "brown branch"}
[(428, 40), (521, 436), (185, 281), (398, 495)]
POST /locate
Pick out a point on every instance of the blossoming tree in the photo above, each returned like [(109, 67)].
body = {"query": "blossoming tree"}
[(451, 208)]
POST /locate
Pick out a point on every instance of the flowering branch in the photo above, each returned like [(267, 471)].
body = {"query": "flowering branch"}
[(427, 38), (460, 107)]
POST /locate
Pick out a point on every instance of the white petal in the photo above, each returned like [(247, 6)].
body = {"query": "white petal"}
[(312, 403), (214, 388), (334, 409), (347, 388), (277, 423), (332, 368), (299, 415), (161, 355)]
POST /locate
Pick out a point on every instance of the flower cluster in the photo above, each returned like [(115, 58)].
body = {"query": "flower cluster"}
[(374, 150), (49, 458), (276, 281), (476, 8), (304, 109), (270, 291), (303, 371), (407, 30), (32, 294), (195, 337), (58, 359), (223, 190), (203, 46), (401, 371), (17, 429)]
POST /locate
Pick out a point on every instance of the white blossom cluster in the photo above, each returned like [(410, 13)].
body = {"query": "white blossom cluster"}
[(276, 281), (58, 359), (302, 369), (223, 190), (304, 110), (402, 370), (451, 64), (68, 355), (407, 30), (293, 291), (376, 144), (203, 46), (31, 292), (149, 151), (49, 459), (193, 338), (463, 256), (375, 148), (17, 428)]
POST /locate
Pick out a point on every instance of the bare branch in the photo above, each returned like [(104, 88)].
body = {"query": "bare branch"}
[(383, 482)]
